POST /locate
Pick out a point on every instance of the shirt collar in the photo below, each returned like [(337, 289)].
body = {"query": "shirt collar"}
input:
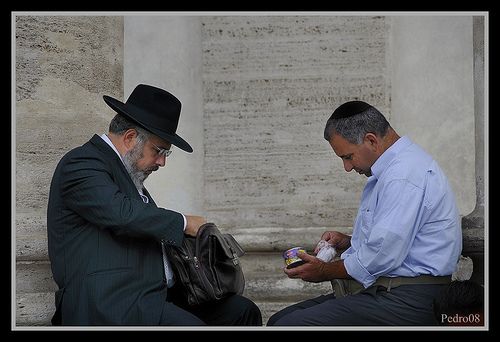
[(385, 158), (110, 143)]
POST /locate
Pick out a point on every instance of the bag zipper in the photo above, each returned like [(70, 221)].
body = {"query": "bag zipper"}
[(192, 258), (213, 245), (197, 263)]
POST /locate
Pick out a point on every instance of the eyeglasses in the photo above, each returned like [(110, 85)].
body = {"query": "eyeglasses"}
[(162, 151)]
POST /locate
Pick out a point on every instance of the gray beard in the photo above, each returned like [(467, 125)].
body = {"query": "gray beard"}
[(130, 160)]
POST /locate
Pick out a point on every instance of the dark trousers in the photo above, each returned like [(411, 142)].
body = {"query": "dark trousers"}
[(406, 305), (234, 310)]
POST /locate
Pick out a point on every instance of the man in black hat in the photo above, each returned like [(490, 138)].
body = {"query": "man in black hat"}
[(406, 238), (106, 236)]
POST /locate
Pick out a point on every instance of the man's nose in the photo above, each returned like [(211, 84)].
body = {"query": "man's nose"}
[(347, 166), (161, 160)]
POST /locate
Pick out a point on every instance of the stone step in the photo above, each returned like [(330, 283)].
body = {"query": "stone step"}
[(279, 239), (35, 308), (266, 281), (269, 287), (31, 238), (263, 274), (266, 285)]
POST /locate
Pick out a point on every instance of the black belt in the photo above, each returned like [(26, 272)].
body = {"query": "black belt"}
[(345, 287)]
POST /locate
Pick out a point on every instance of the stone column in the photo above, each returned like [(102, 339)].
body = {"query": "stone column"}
[(64, 64), (165, 51), (473, 224)]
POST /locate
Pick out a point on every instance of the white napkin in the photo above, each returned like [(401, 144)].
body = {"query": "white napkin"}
[(326, 251)]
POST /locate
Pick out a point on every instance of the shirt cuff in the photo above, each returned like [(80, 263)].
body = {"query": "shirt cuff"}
[(185, 221), (357, 271)]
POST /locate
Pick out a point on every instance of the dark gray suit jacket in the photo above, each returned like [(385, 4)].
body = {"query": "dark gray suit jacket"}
[(104, 241)]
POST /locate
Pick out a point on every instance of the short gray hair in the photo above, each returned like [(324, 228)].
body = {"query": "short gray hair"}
[(354, 128), (120, 124)]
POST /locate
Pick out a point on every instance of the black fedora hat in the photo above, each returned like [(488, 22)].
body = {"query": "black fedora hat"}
[(155, 109)]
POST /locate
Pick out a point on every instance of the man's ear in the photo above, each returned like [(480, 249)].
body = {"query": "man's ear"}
[(129, 138), (372, 141)]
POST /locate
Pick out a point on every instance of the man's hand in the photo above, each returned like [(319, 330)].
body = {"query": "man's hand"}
[(312, 270), (338, 240), (316, 270), (193, 224)]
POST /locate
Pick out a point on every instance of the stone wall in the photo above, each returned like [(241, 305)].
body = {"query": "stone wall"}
[(269, 86), (63, 66)]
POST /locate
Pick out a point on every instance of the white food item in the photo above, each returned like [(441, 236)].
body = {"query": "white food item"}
[(326, 251)]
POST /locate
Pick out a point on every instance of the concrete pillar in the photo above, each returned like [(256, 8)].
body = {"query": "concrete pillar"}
[(165, 51), (473, 224), (64, 64), (432, 98)]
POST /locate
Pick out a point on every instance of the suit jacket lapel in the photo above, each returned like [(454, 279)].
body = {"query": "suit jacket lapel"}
[(117, 165)]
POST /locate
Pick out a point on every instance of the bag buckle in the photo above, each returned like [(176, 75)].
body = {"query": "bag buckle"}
[(235, 259)]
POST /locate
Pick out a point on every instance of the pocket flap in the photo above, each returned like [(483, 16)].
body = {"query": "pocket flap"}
[(228, 245)]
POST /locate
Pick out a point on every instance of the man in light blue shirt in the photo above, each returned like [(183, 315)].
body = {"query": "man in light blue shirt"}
[(406, 240)]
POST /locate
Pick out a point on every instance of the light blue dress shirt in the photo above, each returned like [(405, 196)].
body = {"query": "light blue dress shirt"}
[(408, 222)]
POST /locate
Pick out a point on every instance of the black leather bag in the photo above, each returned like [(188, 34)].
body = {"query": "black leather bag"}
[(208, 267)]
